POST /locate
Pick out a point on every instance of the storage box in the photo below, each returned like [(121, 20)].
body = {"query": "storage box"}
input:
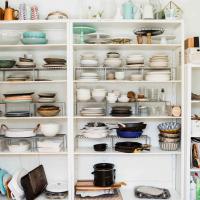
[(195, 128), (192, 55)]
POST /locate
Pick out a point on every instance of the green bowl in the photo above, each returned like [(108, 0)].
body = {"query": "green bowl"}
[(7, 63), (34, 41), (34, 34)]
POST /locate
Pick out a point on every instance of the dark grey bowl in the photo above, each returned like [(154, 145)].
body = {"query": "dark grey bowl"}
[(7, 63)]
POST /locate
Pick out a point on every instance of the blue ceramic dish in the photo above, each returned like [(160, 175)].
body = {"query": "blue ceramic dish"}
[(129, 134), (169, 127), (34, 34), (34, 41)]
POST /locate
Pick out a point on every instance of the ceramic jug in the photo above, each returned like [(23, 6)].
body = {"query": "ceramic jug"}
[(10, 14), (1, 14), (148, 11), (128, 10)]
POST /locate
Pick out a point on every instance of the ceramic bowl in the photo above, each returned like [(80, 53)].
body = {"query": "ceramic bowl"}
[(123, 99), (169, 127), (21, 147), (113, 62), (34, 34), (34, 41), (88, 56), (113, 55), (7, 63), (50, 129), (9, 38)]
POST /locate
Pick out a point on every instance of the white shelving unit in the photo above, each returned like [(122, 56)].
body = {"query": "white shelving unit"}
[(77, 162), (192, 107), (138, 168)]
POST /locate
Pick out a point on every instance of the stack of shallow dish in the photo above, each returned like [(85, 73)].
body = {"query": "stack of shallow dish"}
[(18, 77), (97, 38), (49, 145), (161, 75), (34, 37), (18, 97), (135, 61), (170, 135), (18, 114), (159, 61), (25, 62), (46, 97), (54, 62), (89, 60), (121, 111), (89, 76), (92, 111)]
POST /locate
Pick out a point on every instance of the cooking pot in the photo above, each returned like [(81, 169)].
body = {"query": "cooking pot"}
[(128, 133), (104, 174)]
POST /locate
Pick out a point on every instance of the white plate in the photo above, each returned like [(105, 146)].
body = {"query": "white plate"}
[(57, 187)]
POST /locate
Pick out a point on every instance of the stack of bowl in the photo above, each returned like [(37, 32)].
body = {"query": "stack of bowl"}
[(113, 60), (83, 94), (99, 94), (170, 135), (25, 62), (34, 37), (47, 97), (54, 62), (89, 76), (89, 60)]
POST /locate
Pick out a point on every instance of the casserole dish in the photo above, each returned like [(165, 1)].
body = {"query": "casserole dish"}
[(17, 133)]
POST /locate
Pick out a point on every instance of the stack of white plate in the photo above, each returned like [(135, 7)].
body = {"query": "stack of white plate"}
[(18, 77), (95, 111), (89, 76), (88, 60), (159, 61), (97, 38), (161, 75), (135, 61)]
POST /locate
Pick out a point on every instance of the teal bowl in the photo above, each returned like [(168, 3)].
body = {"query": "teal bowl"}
[(34, 41), (7, 63), (34, 34)]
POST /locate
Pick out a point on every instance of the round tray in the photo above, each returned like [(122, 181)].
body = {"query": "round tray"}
[(153, 31)]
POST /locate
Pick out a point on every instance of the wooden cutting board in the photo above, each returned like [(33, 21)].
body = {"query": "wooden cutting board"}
[(88, 185)]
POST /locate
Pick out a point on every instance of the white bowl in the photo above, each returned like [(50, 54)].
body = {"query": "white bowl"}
[(89, 62), (98, 98), (112, 62), (21, 147), (119, 75), (83, 97), (88, 56), (9, 38), (111, 99), (50, 129)]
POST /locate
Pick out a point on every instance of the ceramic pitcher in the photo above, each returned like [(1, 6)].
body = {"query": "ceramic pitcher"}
[(128, 10)]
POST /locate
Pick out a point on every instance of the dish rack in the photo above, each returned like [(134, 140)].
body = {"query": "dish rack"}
[(103, 71), (113, 139), (31, 107), (134, 105), (32, 143), (34, 72)]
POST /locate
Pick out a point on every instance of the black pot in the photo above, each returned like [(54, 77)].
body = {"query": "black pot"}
[(104, 174), (100, 147)]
